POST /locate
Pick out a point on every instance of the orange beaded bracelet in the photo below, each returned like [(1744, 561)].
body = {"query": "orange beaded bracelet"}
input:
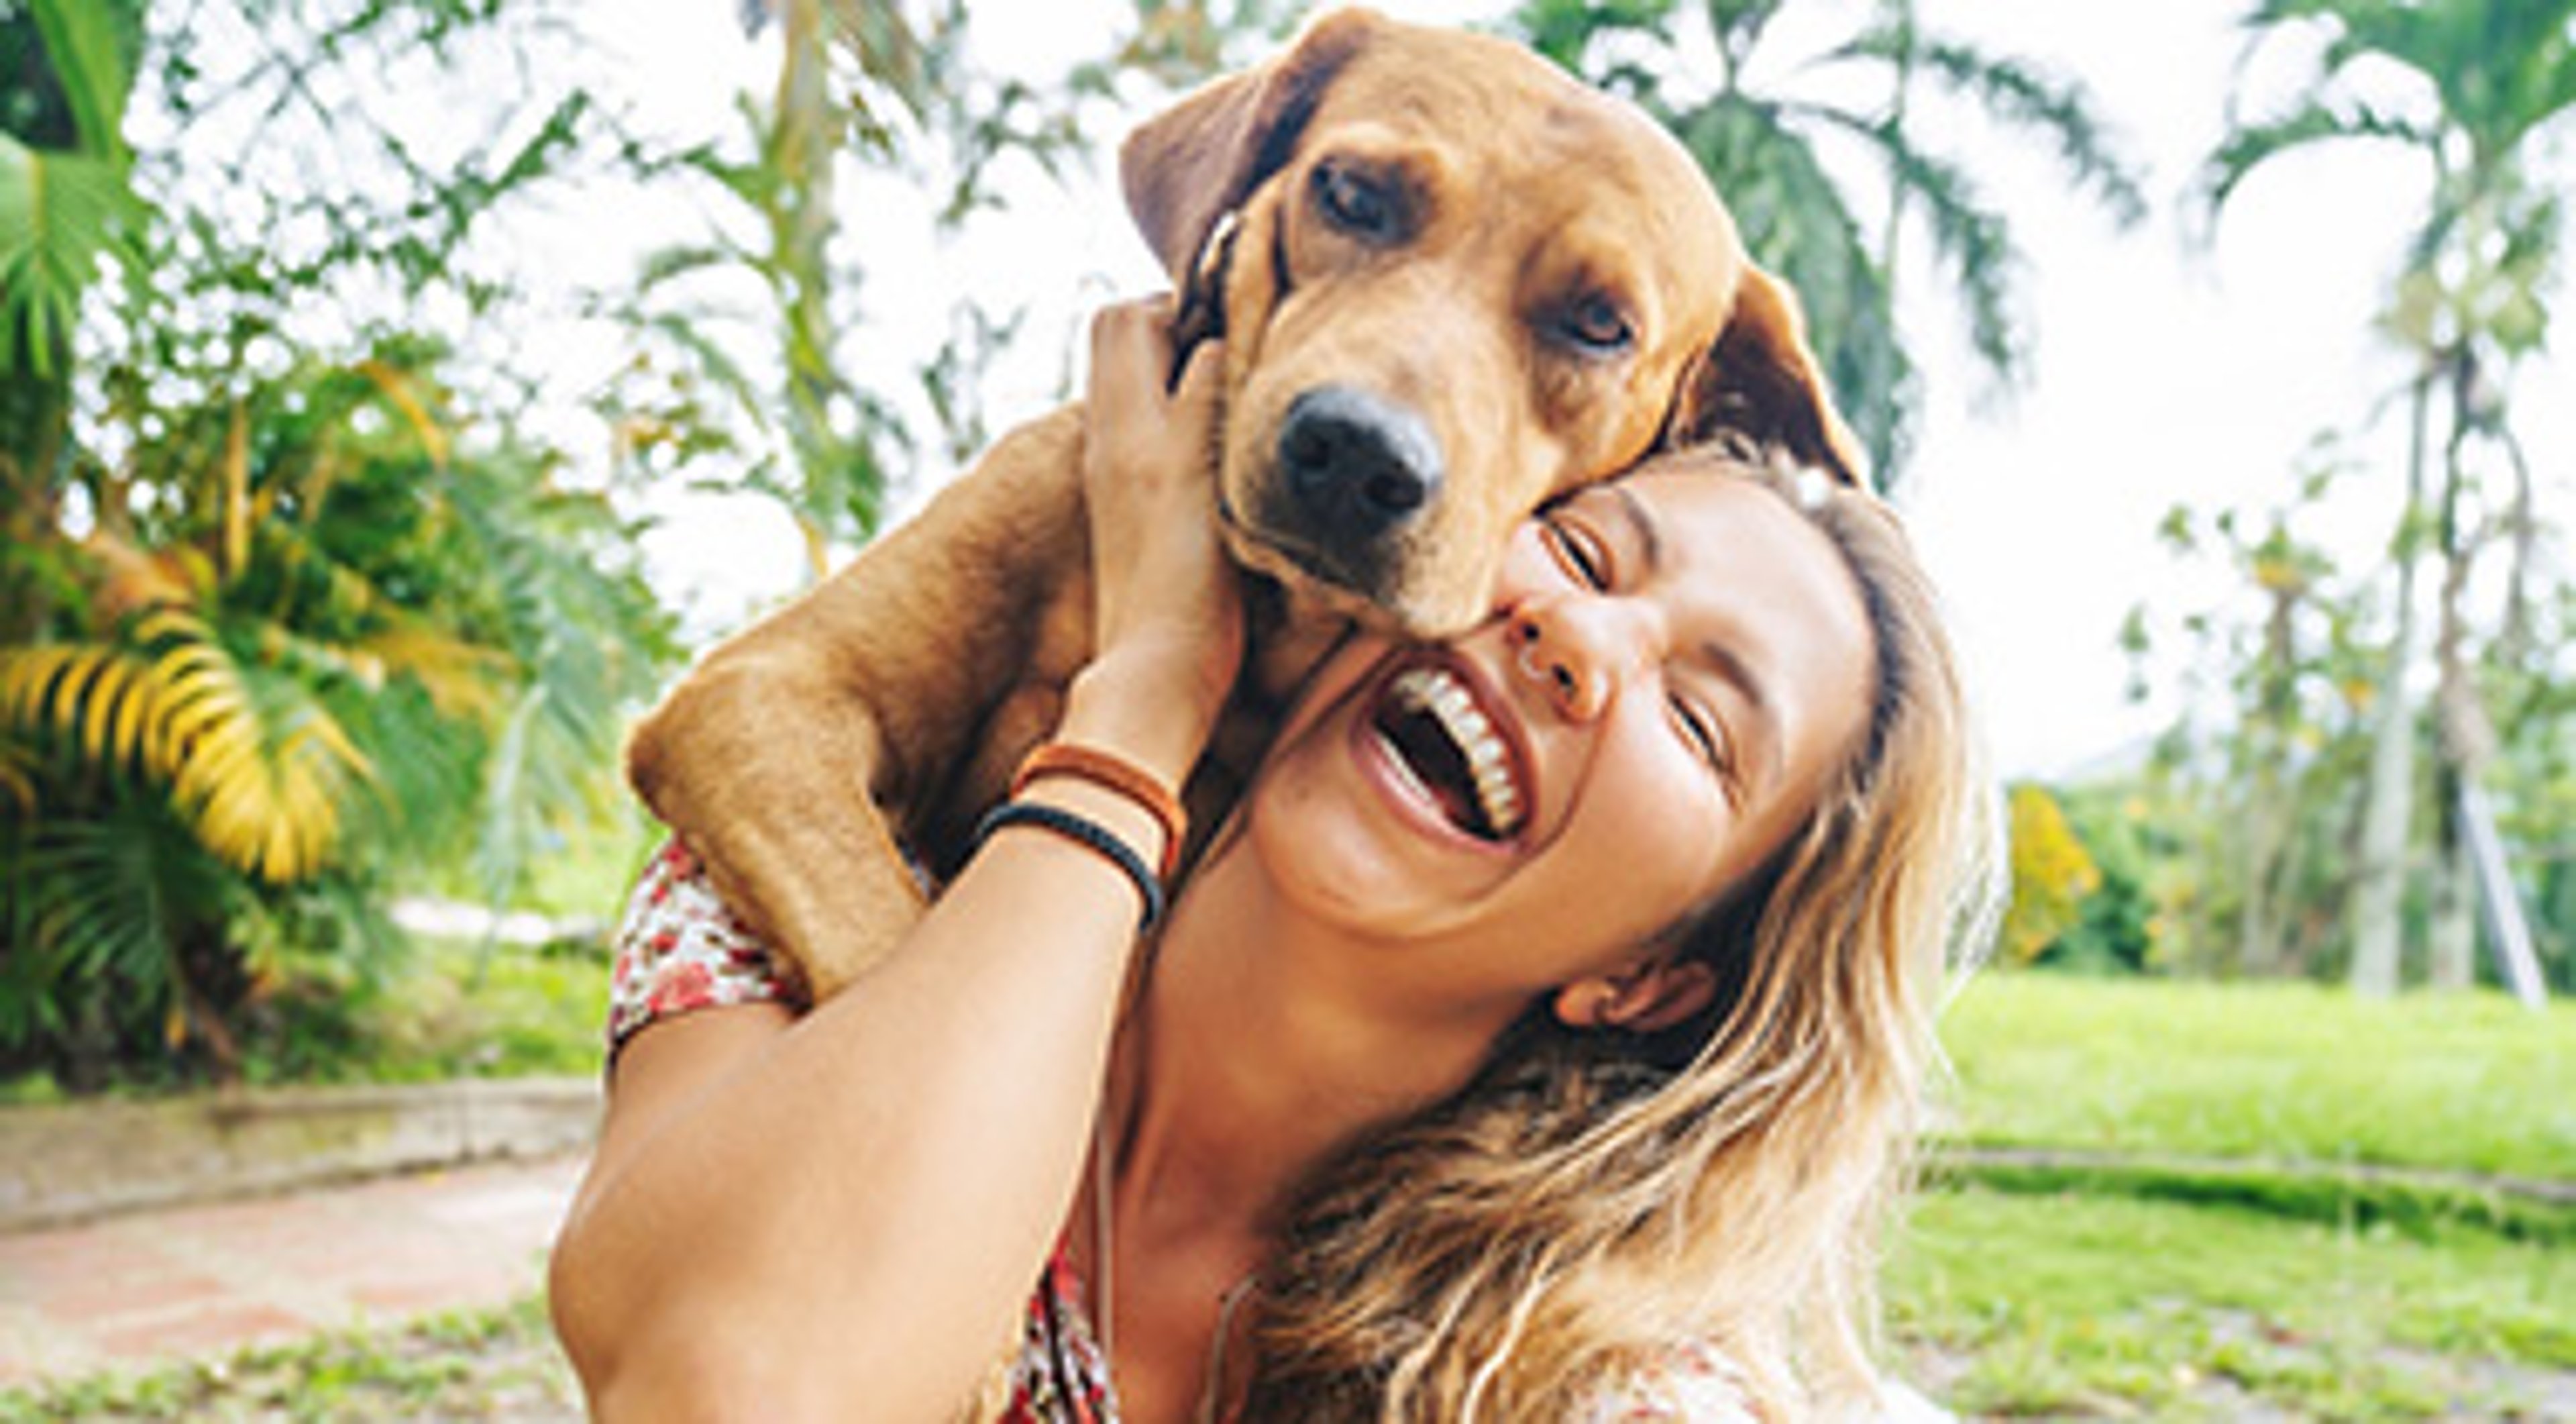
[(1114, 773)]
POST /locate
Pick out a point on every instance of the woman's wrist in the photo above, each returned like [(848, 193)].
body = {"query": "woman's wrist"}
[(1153, 707)]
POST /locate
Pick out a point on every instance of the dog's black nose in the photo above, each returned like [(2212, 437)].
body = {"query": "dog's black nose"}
[(1356, 464)]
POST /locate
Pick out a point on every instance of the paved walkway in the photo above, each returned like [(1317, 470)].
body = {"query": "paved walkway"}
[(138, 1290)]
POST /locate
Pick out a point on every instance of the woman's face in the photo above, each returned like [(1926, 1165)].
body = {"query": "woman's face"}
[(1678, 663)]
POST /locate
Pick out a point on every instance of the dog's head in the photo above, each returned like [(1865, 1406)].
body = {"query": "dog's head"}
[(1454, 282)]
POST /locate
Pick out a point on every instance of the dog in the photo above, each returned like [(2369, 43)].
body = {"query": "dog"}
[(1453, 283)]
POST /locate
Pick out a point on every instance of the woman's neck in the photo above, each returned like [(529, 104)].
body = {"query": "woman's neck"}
[(1257, 1042), (1255, 1048)]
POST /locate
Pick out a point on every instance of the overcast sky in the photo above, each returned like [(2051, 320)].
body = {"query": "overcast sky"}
[(2167, 370)]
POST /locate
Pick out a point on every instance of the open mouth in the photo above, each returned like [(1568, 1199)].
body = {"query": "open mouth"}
[(1449, 748)]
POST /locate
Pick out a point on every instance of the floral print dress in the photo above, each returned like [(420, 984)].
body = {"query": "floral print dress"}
[(680, 949)]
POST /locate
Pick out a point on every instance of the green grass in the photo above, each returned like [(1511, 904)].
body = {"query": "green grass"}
[(2094, 1306), (446, 1010), (2272, 1072), (2224, 1261), (493, 1364), (2198, 1240), (467, 1013)]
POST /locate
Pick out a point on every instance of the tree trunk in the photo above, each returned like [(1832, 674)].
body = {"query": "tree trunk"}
[(2451, 929), (2379, 897), (2461, 742)]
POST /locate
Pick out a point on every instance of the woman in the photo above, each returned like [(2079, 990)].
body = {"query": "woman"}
[(1539, 1040)]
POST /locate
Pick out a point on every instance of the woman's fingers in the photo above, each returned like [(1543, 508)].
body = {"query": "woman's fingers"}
[(1165, 596)]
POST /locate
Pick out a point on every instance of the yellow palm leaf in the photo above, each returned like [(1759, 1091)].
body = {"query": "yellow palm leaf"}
[(17, 783), (463, 680), (263, 799), (400, 387)]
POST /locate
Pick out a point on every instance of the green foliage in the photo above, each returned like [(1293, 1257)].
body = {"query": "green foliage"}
[(483, 1364), (2052, 875), (445, 1009), (306, 612), (749, 333), (2471, 89), (2253, 790), (1769, 152)]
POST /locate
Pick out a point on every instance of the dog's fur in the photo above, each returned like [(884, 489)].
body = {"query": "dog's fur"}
[(1493, 283)]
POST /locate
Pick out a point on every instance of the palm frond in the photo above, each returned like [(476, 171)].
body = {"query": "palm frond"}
[(90, 62), (2248, 147), (1565, 30), (60, 215), (2025, 98), (1971, 241), (257, 767), (405, 391), (17, 778), (1798, 226), (108, 901)]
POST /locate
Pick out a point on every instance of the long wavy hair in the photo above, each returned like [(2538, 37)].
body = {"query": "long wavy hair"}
[(1594, 1200)]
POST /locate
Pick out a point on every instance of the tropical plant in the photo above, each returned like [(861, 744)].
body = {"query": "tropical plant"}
[(314, 616), (2488, 80), (1764, 142), (2261, 764), (750, 333), (2052, 875)]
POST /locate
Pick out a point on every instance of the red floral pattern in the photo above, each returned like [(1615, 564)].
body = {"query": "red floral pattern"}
[(679, 950)]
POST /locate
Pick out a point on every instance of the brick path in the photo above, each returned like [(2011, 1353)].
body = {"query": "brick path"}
[(143, 1289)]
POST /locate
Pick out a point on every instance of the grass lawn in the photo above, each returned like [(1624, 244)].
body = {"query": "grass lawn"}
[(497, 1364), (2108, 1306), (2183, 1262), (2271, 1072), (2137, 1280)]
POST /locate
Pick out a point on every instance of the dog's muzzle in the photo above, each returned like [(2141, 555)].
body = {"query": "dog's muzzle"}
[(1354, 469)]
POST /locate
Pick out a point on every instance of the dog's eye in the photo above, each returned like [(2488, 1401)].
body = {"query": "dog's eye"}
[(1593, 323), (1357, 203)]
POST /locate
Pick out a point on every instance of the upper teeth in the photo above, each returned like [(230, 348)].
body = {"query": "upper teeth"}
[(1439, 692)]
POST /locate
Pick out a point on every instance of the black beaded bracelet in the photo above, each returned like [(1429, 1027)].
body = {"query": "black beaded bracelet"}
[(1087, 832)]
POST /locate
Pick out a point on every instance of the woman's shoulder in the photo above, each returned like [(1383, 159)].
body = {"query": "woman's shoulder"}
[(1698, 1384), (1688, 1384), (679, 948)]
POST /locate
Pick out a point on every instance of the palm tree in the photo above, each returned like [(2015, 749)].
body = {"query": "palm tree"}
[(1765, 151), (328, 643), (66, 203), (2494, 74), (307, 621)]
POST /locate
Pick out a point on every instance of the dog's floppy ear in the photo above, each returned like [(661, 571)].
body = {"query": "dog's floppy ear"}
[(1760, 379), (1188, 166)]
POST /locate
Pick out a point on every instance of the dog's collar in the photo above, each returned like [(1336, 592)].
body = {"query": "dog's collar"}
[(1201, 313)]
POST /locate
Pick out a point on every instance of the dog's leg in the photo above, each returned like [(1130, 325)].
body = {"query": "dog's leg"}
[(803, 753)]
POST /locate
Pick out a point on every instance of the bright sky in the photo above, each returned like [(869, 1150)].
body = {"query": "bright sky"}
[(2167, 371)]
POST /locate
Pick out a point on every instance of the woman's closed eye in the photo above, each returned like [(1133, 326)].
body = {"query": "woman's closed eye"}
[(1705, 736), (1577, 550)]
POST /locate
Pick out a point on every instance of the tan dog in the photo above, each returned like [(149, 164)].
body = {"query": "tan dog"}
[(1453, 282)]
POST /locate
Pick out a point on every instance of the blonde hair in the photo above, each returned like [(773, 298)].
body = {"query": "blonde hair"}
[(1593, 1201)]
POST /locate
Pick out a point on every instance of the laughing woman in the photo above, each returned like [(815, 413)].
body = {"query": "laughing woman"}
[(1541, 1039)]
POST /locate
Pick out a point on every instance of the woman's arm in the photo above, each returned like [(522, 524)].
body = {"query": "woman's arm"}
[(794, 1217)]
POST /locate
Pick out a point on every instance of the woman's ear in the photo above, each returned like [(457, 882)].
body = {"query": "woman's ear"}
[(1646, 997)]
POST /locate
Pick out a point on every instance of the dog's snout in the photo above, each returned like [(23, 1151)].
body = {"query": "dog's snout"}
[(1355, 464)]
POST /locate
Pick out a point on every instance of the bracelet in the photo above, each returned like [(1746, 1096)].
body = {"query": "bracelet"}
[(1115, 773), (1083, 831)]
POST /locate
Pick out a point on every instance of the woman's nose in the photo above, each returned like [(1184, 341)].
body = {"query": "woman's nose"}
[(1571, 651)]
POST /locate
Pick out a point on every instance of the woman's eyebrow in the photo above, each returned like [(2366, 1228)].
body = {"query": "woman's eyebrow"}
[(1641, 520)]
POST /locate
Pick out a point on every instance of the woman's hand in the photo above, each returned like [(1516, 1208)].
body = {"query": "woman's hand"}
[(1167, 610)]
